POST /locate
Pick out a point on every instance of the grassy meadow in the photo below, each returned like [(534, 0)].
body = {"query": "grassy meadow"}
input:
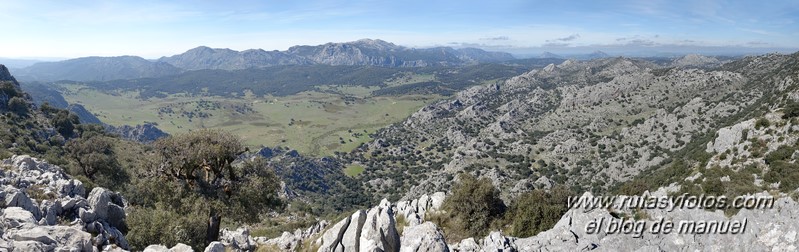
[(319, 122)]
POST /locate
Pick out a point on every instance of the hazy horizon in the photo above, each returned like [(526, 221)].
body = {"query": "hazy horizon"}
[(151, 29)]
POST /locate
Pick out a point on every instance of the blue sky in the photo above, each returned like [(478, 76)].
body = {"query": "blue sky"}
[(151, 29)]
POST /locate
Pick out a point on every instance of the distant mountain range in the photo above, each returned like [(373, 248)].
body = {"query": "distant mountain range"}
[(365, 52), (97, 69), (549, 55)]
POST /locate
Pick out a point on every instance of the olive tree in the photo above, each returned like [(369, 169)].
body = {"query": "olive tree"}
[(92, 154), (194, 173)]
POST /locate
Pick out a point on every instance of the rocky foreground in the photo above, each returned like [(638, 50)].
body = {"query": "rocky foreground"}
[(764, 229), (43, 210)]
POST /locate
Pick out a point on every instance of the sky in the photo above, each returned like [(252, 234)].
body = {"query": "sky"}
[(151, 29)]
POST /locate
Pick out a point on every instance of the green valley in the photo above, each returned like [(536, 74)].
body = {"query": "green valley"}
[(319, 122)]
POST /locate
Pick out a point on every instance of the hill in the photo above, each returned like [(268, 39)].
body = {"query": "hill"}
[(207, 58), (96, 69), (589, 125)]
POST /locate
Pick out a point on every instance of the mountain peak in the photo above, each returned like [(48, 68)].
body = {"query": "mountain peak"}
[(207, 50), (377, 42), (548, 55), (5, 75), (597, 55)]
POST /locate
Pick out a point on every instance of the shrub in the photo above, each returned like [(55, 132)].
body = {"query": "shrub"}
[(762, 122), (782, 153), (472, 206), (64, 122), (791, 110), (163, 226), (537, 211), (785, 173), (18, 105)]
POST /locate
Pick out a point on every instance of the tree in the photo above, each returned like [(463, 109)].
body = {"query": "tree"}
[(473, 205), (7, 91), (92, 153), (194, 173)]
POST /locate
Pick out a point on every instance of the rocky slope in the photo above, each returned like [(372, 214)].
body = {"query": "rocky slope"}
[(695, 60), (588, 124), (768, 228), (318, 181), (44, 209), (207, 58), (42, 93)]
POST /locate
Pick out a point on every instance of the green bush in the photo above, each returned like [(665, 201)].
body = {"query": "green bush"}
[(164, 226), (472, 206), (762, 122), (18, 105), (64, 122), (791, 110), (784, 152), (784, 172), (537, 211)]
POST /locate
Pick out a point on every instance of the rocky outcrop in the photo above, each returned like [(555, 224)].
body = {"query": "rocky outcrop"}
[(730, 136), (379, 232), (414, 211), (180, 247), (291, 241), (426, 237), (372, 230), (84, 115), (238, 240), (466, 245), (376, 229), (766, 229), (44, 209), (144, 133)]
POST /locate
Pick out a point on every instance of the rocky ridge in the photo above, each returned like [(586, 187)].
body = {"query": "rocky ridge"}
[(766, 229), (362, 52), (695, 60), (365, 52)]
